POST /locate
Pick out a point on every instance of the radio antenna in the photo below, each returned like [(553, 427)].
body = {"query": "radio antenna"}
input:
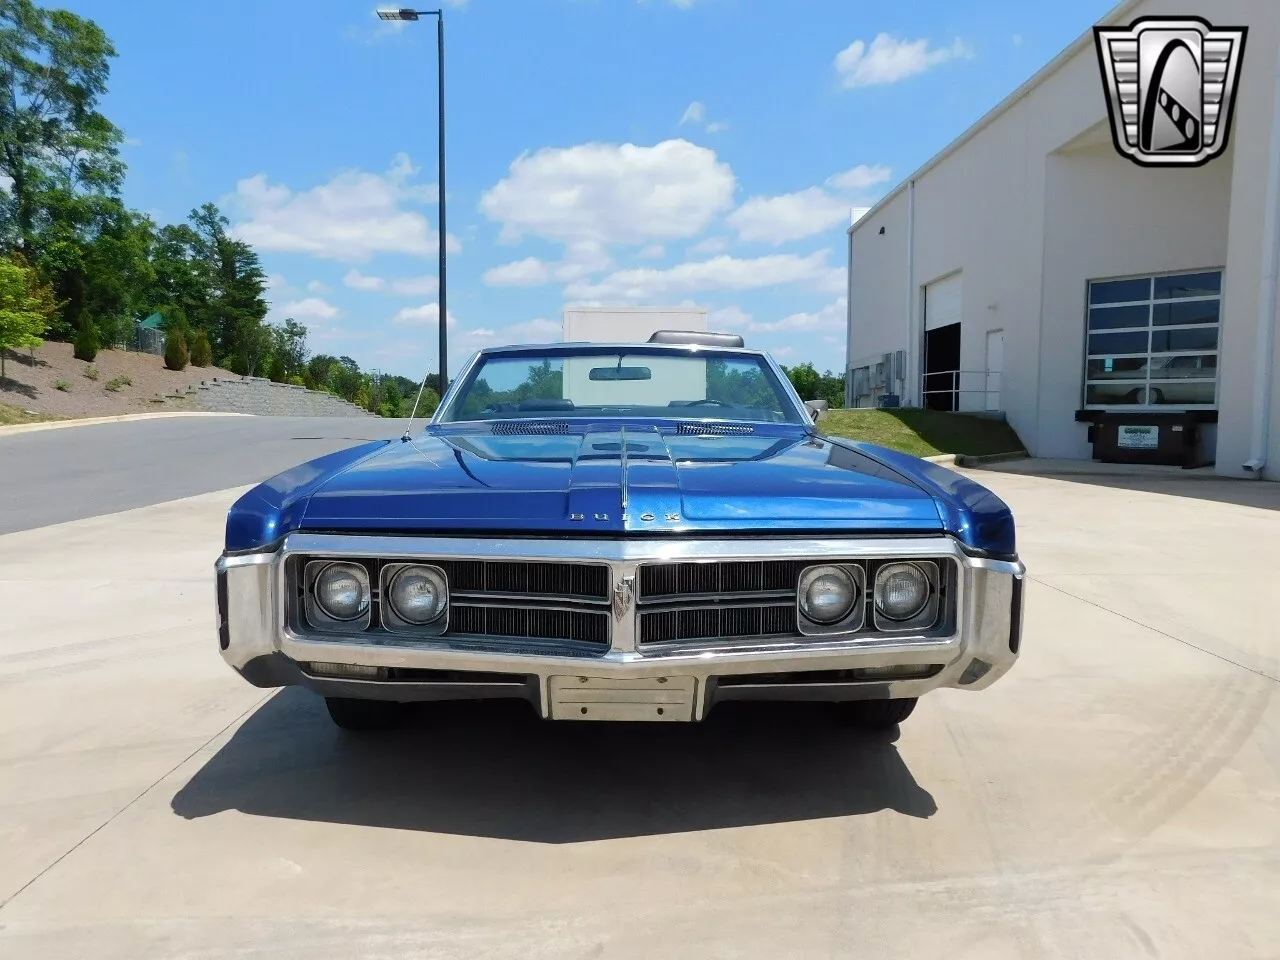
[(414, 412)]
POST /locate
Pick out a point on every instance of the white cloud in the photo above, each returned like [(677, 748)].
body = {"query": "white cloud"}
[(888, 60), (359, 281), (695, 112), (788, 217), (857, 213), (610, 193), (538, 330), (654, 251), (427, 315), (581, 259), (834, 316), (861, 177), (723, 272), (529, 272), (793, 216), (416, 286), (711, 245), (311, 310), (276, 281), (315, 286), (352, 217)]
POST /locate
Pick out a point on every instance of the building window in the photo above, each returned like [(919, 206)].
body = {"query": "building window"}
[(1153, 341)]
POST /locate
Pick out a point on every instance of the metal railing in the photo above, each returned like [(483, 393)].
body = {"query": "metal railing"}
[(943, 389)]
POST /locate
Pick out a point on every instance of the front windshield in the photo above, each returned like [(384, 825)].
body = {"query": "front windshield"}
[(622, 384)]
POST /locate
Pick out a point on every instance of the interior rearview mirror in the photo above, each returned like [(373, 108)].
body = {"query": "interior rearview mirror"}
[(621, 373)]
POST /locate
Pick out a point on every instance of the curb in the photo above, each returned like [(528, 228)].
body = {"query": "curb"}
[(946, 459), (978, 461), (122, 418)]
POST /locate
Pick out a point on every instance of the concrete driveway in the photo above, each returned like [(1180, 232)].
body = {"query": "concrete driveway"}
[(1118, 795)]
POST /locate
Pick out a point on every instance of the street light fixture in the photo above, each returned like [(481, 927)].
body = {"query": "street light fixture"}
[(414, 16)]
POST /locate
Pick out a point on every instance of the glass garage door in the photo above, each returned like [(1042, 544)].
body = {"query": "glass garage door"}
[(1153, 342)]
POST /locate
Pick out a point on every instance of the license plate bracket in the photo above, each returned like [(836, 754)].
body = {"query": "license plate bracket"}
[(645, 699)]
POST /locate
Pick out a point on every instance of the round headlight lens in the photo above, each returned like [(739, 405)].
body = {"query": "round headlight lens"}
[(902, 590), (342, 591), (827, 594), (419, 595)]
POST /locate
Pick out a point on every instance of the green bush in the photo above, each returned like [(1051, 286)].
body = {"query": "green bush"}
[(175, 351), (85, 346), (276, 370), (297, 381), (90, 372), (116, 383), (201, 352), (63, 385)]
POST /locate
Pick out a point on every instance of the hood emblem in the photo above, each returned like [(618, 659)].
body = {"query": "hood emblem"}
[(623, 595), (626, 518)]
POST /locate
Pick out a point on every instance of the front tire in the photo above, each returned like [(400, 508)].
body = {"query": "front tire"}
[(876, 714), (362, 715)]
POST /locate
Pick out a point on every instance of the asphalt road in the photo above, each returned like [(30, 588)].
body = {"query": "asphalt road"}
[(51, 476), (1114, 797)]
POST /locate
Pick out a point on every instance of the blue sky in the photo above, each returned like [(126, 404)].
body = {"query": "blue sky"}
[(600, 151)]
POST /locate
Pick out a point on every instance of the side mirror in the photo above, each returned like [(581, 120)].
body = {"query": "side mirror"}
[(817, 409)]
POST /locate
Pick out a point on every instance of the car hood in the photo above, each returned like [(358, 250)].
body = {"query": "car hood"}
[(609, 480)]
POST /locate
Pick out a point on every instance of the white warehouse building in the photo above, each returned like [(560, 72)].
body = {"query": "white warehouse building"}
[(1033, 269)]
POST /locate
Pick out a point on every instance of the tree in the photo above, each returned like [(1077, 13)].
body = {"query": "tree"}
[(289, 346), (805, 379), (201, 352), (25, 307), (175, 351), (54, 68)]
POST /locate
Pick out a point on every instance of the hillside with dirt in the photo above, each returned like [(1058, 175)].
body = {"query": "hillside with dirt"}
[(51, 382)]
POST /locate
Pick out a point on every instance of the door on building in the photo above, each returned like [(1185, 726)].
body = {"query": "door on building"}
[(995, 368), (943, 310)]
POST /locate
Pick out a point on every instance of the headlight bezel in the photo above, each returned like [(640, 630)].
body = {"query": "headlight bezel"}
[(322, 619), (928, 613), (392, 620), (852, 620)]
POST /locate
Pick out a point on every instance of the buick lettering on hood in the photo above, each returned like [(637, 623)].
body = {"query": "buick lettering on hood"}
[(620, 532)]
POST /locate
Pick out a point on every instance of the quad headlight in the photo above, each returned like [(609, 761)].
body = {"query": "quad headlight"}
[(830, 598), (341, 591), (902, 592), (419, 595)]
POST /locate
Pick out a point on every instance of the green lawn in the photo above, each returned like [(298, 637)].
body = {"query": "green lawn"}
[(923, 433), (11, 415)]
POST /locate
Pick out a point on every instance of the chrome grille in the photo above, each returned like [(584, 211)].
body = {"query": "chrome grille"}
[(577, 581), (534, 622), (676, 580), (707, 623)]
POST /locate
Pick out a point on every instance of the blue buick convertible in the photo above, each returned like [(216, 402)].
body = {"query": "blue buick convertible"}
[(620, 532)]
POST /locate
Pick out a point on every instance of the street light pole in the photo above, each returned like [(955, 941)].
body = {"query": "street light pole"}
[(414, 15)]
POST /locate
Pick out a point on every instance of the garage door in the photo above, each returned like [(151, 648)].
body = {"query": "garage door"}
[(943, 302)]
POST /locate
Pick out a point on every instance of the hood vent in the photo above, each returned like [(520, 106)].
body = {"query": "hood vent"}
[(531, 427), (715, 429)]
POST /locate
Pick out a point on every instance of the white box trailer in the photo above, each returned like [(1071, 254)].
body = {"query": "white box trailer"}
[(629, 324), (632, 325)]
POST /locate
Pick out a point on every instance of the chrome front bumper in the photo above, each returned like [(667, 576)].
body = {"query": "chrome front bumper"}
[(256, 640)]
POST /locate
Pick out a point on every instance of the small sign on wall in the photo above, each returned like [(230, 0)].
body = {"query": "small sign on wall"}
[(1138, 438)]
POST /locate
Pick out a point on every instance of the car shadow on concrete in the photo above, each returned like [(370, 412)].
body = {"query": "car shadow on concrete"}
[(496, 770)]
